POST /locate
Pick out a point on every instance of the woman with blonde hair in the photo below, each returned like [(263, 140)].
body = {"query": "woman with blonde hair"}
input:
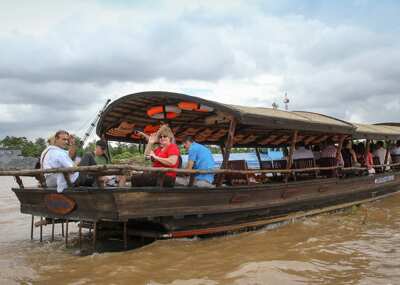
[(165, 155)]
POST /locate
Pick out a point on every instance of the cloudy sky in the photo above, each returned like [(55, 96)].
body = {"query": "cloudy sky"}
[(61, 60)]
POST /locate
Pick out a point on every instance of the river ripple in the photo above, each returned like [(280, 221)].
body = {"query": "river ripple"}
[(361, 246)]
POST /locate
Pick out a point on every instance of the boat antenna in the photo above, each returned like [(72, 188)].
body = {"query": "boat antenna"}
[(94, 122), (286, 102)]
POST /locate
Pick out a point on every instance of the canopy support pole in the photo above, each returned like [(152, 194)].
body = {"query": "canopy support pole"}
[(228, 146), (339, 152), (291, 150), (258, 157)]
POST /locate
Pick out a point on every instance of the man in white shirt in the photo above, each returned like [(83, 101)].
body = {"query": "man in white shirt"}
[(56, 156), (380, 152), (301, 152)]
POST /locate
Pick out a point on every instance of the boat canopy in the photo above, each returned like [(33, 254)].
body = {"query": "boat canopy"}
[(208, 121), (377, 132)]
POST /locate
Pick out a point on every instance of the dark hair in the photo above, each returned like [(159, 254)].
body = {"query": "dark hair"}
[(398, 143), (188, 139), (379, 143), (102, 144), (60, 132)]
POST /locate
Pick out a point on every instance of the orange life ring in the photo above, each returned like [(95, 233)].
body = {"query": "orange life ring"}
[(157, 112), (192, 106)]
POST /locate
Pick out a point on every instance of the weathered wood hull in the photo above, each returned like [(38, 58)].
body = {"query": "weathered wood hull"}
[(165, 211)]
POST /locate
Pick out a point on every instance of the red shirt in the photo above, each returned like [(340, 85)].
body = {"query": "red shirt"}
[(171, 149)]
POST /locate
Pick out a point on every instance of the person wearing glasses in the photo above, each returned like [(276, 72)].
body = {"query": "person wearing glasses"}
[(57, 156), (165, 155)]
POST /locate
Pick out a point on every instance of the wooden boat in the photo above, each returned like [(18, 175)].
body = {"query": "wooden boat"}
[(162, 212)]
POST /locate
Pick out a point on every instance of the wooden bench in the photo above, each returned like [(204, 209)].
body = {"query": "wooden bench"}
[(327, 162), (237, 178), (304, 163)]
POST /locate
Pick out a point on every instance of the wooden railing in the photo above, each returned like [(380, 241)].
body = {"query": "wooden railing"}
[(122, 169)]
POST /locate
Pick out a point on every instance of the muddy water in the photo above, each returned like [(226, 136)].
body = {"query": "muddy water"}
[(361, 246)]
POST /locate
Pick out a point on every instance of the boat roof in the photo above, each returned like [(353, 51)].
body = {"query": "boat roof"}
[(256, 126), (377, 131)]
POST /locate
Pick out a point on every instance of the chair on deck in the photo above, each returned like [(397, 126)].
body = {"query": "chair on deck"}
[(304, 163), (396, 159), (280, 164), (327, 162), (237, 178), (378, 169)]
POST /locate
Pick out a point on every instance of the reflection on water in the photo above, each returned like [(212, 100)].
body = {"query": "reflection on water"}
[(355, 247)]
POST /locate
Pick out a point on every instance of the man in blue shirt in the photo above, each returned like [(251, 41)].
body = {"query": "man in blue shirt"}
[(200, 158)]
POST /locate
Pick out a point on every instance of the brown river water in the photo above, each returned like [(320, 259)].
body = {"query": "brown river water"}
[(358, 246)]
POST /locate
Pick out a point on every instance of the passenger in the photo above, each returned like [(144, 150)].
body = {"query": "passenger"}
[(316, 152), (330, 151), (380, 152), (99, 157), (348, 154), (200, 158), (301, 152), (361, 158), (395, 149), (56, 156), (165, 155)]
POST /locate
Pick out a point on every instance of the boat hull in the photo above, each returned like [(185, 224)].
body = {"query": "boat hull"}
[(163, 211)]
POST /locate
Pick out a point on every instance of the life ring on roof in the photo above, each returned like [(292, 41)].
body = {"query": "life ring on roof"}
[(192, 106), (157, 112)]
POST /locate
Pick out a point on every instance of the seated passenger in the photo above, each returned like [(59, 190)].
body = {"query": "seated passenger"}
[(365, 160), (395, 149), (199, 157), (348, 154), (330, 151), (99, 157), (316, 151), (301, 152), (165, 155), (380, 152), (56, 156)]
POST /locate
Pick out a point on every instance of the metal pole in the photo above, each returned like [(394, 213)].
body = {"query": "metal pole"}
[(32, 221), (125, 236), (80, 234), (66, 233), (52, 229), (94, 235), (41, 229), (62, 228)]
